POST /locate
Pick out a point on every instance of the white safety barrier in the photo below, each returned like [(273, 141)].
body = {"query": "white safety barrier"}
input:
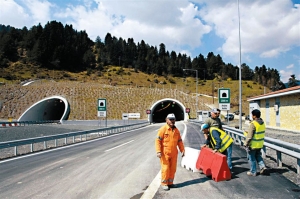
[(190, 158)]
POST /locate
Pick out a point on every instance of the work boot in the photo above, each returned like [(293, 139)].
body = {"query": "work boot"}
[(172, 186), (165, 187), (251, 174), (263, 171)]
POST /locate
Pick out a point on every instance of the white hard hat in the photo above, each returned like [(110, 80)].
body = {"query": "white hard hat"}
[(171, 116)]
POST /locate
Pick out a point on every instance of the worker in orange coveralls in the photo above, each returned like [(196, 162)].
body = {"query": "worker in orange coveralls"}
[(168, 138)]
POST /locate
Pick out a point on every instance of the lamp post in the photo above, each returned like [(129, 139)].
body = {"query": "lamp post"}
[(240, 69), (196, 86)]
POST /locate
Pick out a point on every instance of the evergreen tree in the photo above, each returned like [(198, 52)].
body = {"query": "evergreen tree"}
[(293, 81), (247, 73)]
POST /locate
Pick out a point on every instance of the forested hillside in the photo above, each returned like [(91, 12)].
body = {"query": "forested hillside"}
[(59, 47)]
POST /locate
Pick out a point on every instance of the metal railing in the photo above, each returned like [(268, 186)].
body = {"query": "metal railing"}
[(292, 150), (27, 123), (80, 135)]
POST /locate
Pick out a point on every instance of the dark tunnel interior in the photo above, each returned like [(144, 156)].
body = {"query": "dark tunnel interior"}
[(50, 109), (161, 110), (54, 110)]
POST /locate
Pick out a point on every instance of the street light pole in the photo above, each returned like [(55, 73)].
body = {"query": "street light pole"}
[(240, 70), (196, 86)]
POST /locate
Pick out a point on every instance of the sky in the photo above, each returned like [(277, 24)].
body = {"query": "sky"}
[(254, 32)]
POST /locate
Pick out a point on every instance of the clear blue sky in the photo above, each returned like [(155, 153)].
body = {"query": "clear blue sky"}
[(270, 29)]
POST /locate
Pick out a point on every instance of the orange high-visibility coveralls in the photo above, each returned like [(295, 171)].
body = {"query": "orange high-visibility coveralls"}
[(166, 143)]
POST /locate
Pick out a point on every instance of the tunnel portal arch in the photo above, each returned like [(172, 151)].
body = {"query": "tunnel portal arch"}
[(50, 108), (163, 107)]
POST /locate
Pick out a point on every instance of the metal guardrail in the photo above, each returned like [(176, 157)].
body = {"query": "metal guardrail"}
[(98, 132), (279, 146), (27, 123)]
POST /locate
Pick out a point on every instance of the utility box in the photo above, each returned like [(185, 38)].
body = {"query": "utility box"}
[(202, 115)]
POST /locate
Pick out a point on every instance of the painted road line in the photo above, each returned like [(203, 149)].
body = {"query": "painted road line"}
[(119, 146), (153, 187)]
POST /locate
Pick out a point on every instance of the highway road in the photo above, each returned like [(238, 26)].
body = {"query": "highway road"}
[(125, 166)]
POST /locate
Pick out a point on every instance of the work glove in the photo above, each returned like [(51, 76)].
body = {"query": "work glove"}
[(158, 155), (247, 148), (182, 154), (215, 150)]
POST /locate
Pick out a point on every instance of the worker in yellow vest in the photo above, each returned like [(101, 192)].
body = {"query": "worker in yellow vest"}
[(219, 140), (254, 143)]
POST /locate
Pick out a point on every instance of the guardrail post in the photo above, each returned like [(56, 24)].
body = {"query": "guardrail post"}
[(45, 145), (73, 139), (31, 147), (16, 151), (279, 160), (55, 142), (80, 138), (298, 167), (66, 140)]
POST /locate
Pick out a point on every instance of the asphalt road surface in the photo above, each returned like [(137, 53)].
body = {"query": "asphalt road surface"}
[(125, 166)]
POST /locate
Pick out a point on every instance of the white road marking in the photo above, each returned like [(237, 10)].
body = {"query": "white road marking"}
[(153, 187), (119, 146)]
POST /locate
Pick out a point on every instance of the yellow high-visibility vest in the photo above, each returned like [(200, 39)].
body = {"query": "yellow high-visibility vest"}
[(226, 139), (257, 141)]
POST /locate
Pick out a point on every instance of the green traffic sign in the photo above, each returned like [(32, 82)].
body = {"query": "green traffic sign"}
[(101, 104), (224, 95)]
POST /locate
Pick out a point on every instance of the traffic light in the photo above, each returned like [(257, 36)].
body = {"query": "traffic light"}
[(173, 104)]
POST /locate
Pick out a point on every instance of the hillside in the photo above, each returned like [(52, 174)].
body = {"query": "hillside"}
[(126, 90)]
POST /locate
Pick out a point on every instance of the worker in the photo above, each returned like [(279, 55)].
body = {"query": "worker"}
[(254, 143), (213, 120), (219, 140), (168, 138)]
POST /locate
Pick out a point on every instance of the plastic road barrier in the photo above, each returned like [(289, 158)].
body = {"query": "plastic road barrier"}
[(213, 164)]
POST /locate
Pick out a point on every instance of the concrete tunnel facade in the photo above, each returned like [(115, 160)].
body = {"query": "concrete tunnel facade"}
[(51, 108), (161, 108)]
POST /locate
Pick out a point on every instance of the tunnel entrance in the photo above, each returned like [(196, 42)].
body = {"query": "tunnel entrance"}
[(162, 108), (52, 108)]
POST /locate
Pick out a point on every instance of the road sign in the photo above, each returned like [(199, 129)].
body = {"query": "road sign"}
[(125, 116), (101, 107), (101, 104), (134, 115), (101, 113), (224, 95), (224, 106)]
